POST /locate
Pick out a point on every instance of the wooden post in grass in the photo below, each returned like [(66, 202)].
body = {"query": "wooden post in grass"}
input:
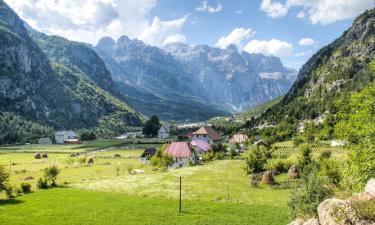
[(180, 193)]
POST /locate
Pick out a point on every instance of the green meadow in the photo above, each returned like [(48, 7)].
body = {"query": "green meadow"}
[(217, 192)]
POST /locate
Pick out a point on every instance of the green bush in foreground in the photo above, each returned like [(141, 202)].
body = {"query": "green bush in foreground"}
[(308, 195)]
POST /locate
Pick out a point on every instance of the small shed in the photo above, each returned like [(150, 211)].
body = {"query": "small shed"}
[(44, 141), (163, 132), (260, 143), (147, 155)]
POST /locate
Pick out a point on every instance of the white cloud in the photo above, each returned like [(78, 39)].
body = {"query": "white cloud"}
[(175, 38), (318, 11), (272, 47), (274, 9), (307, 42), (240, 11), (160, 31), (204, 7), (238, 36), (85, 20)]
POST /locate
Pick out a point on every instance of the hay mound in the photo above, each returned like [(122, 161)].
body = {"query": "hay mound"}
[(268, 178), (293, 172), (37, 156), (90, 161), (44, 155)]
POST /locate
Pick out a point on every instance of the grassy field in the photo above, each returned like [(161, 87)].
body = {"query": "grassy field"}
[(217, 192), (72, 206)]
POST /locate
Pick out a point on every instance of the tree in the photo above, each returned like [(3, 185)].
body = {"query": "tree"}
[(151, 127), (87, 135), (255, 160), (304, 157), (356, 125), (50, 174)]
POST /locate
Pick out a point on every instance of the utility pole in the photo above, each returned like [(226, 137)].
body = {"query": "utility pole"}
[(180, 193)]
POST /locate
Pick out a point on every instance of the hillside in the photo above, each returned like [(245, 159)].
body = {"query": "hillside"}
[(330, 75), (258, 110), (64, 93), (182, 82)]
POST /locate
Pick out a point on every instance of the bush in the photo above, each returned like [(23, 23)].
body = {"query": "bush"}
[(304, 157), (280, 165), (208, 156), (232, 153), (26, 188), (49, 177), (331, 169), (87, 135), (255, 161), (10, 192), (42, 183), (307, 196), (4, 177), (297, 141), (365, 209), (326, 154), (219, 155)]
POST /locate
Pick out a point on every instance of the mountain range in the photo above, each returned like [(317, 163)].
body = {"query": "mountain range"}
[(53, 82), (182, 82), (330, 75)]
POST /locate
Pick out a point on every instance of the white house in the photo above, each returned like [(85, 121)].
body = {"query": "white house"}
[(62, 136), (163, 132), (206, 134), (181, 153)]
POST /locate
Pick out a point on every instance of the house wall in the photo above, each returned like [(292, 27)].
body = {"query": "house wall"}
[(163, 135), (59, 139), (202, 137)]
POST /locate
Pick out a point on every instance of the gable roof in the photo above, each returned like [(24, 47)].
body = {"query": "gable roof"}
[(163, 130), (215, 136), (203, 145), (239, 138), (149, 152), (178, 149)]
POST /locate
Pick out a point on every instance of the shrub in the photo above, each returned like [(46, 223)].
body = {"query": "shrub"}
[(219, 155), (26, 188), (208, 156), (232, 153), (42, 183), (297, 141), (4, 177), (365, 209), (10, 192), (280, 165), (331, 169), (306, 197), (49, 177), (87, 135), (255, 161), (326, 154), (304, 157)]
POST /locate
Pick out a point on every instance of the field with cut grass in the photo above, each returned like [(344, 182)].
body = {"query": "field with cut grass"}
[(76, 207), (217, 192)]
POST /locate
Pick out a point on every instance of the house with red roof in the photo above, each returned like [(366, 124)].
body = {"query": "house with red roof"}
[(207, 134), (182, 153)]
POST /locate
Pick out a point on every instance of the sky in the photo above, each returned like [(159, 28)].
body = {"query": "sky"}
[(290, 29)]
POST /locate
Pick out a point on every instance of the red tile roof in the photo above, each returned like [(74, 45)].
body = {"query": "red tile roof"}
[(179, 149), (215, 136)]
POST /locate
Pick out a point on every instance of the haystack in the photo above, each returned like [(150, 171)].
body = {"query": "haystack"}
[(268, 178), (90, 161), (44, 155), (37, 156), (293, 172)]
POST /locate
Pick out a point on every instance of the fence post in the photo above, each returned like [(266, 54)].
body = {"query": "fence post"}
[(180, 193)]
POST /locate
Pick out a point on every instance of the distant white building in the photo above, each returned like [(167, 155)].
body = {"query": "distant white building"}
[(45, 141), (62, 136), (163, 132), (336, 143)]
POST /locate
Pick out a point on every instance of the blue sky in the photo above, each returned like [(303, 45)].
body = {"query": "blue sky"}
[(290, 29)]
